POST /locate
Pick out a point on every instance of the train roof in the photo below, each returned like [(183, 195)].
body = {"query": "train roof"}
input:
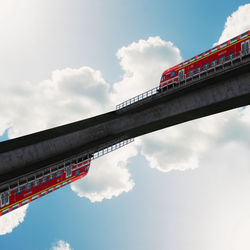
[(171, 69), (242, 35)]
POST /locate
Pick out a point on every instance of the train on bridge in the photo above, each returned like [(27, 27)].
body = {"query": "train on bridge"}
[(192, 69), (207, 60)]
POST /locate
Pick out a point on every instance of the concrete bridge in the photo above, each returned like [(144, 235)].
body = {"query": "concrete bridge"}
[(218, 89)]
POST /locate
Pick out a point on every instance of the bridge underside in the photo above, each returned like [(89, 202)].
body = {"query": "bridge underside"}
[(216, 91)]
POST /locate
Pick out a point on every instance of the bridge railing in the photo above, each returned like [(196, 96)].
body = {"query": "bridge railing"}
[(138, 98), (187, 80), (111, 148)]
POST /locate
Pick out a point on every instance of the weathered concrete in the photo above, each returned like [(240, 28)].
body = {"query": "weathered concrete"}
[(216, 92)]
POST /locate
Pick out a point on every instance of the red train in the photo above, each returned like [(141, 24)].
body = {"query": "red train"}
[(220, 54), (37, 186)]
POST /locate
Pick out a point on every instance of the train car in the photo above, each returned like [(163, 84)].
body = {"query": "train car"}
[(37, 186), (203, 62)]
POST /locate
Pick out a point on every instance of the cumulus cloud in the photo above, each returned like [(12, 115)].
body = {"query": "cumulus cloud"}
[(13, 219), (143, 63), (108, 176), (236, 24), (69, 95), (181, 147), (61, 245)]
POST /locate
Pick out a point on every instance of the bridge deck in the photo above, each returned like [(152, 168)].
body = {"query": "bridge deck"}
[(217, 90)]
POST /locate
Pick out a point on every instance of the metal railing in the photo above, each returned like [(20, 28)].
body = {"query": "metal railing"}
[(175, 84), (138, 98), (111, 148)]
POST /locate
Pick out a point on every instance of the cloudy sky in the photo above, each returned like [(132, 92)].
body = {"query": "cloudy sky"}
[(185, 187)]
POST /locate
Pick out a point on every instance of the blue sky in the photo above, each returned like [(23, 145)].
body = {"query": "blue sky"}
[(185, 187)]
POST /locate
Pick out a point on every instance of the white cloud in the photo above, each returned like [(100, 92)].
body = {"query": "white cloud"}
[(69, 95), (223, 197), (143, 63), (13, 219), (236, 24), (61, 245), (108, 176), (181, 147)]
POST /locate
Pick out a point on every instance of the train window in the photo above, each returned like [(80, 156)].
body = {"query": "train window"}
[(222, 59), (206, 66), (19, 190), (185, 63), (213, 63), (43, 180), (207, 53), (77, 172), (27, 186), (223, 45), (58, 173), (35, 183), (4, 199), (51, 177), (87, 169), (233, 40), (15, 206), (244, 35), (245, 47), (172, 74), (198, 70), (231, 56), (214, 49), (68, 171), (199, 56), (191, 72)]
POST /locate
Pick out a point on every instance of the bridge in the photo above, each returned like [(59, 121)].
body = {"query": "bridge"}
[(223, 87)]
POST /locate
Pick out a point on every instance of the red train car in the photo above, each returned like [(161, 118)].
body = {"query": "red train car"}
[(39, 185), (220, 54)]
